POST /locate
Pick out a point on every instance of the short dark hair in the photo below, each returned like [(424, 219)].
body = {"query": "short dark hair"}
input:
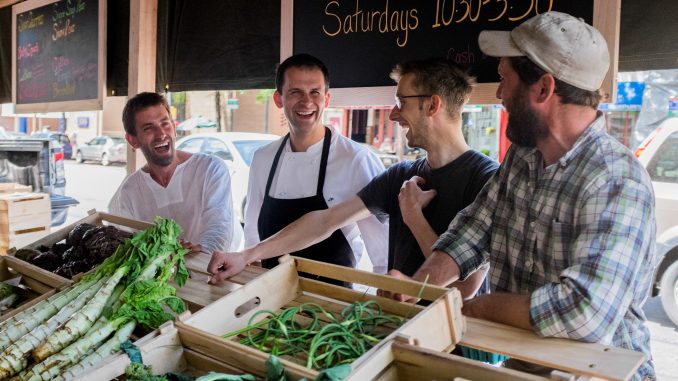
[(140, 102), (439, 76), (529, 73), (300, 60)]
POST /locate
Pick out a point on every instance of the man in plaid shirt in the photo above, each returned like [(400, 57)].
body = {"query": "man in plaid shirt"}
[(567, 223)]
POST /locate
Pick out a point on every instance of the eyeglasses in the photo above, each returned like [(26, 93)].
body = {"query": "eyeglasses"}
[(399, 98)]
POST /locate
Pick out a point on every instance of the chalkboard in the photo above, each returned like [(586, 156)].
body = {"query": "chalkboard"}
[(361, 40), (57, 55)]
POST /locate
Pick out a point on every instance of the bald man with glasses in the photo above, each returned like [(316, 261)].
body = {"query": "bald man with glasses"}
[(419, 197)]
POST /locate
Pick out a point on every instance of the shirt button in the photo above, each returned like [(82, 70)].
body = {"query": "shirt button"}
[(533, 224), (528, 263)]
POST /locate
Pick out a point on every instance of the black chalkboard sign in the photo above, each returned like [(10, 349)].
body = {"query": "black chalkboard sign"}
[(57, 55), (361, 40)]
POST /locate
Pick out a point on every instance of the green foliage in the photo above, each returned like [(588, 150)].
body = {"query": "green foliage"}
[(141, 372), (145, 301), (264, 95)]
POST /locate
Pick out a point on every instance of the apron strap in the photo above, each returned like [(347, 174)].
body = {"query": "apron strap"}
[(271, 173), (323, 161)]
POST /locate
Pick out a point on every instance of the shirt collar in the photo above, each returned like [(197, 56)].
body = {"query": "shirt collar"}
[(591, 133)]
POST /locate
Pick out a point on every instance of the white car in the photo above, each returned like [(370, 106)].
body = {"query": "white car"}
[(237, 150), (659, 154)]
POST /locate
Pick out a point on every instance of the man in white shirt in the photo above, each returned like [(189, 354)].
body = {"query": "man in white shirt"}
[(192, 189), (314, 167)]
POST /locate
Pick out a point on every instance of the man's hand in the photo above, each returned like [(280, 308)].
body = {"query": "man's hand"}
[(396, 296), (225, 265), (412, 199), (192, 248)]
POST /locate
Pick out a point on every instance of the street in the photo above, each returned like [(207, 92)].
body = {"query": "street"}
[(93, 185)]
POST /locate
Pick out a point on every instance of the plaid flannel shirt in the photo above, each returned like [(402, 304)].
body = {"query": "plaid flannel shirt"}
[(578, 236)]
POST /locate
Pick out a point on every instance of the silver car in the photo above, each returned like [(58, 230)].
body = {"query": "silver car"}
[(104, 149)]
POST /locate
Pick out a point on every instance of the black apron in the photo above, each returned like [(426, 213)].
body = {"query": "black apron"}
[(277, 213)]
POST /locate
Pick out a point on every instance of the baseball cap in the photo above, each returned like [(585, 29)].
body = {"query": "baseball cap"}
[(565, 46)]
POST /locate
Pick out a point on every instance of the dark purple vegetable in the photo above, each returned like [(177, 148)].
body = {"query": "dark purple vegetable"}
[(26, 254), (75, 235), (48, 261)]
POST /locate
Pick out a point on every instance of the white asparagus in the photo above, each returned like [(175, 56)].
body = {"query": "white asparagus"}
[(106, 349), (81, 321), (15, 355), (23, 322)]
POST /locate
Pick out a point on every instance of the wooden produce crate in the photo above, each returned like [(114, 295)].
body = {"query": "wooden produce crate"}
[(197, 293), (398, 361), (14, 188), (24, 217), (164, 351), (282, 287), (592, 360), (40, 283)]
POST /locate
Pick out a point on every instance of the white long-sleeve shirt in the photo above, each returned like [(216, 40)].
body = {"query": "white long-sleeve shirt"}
[(198, 198), (349, 168)]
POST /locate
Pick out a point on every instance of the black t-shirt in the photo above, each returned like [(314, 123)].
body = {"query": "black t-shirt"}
[(457, 185)]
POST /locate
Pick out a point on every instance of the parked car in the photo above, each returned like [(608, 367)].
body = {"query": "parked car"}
[(659, 154), (388, 159), (62, 138), (237, 150), (104, 149)]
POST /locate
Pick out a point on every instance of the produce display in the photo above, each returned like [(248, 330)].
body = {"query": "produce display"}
[(85, 247), (73, 330), (316, 336), (10, 295)]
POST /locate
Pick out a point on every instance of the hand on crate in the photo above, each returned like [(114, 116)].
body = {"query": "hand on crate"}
[(394, 295), (192, 248), (224, 265)]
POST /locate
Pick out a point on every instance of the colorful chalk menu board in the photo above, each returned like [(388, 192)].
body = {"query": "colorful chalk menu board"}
[(57, 55)]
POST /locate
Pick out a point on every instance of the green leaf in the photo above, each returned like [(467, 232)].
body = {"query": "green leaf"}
[(336, 373), (275, 370)]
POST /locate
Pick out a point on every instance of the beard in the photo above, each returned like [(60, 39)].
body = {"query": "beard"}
[(524, 127), (153, 158)]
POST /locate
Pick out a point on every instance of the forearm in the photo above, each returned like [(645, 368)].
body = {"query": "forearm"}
[(504, 308), (310, 229), (469, 288), (438, 269), (422, 232)]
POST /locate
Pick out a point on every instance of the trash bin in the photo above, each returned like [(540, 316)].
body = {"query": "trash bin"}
[(60, 205)]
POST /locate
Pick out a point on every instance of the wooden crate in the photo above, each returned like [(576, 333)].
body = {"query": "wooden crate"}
[(41, 284), (398, 361), (197, 293), (282, 287), (14, 188), (583, 359), (24, 218), (164, 351)]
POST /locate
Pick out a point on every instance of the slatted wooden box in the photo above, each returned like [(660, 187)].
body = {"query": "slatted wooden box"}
[(165, 352), (438, 326), (24, 218), (41, 284), (197, 293)]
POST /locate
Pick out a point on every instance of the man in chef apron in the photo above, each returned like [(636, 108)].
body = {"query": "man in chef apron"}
[(419, 197), (311, 168)]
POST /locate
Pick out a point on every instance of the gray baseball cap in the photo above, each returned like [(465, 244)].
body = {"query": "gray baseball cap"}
[(565, 46)]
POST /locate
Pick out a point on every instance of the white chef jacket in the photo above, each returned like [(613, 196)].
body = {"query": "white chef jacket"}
[(198, 198), (349, 168)]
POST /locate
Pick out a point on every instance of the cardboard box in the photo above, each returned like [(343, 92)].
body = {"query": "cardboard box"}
[(282, 287), (41, 284), (24, 218)]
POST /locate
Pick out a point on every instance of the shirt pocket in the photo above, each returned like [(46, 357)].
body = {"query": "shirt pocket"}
[(558, 245)]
